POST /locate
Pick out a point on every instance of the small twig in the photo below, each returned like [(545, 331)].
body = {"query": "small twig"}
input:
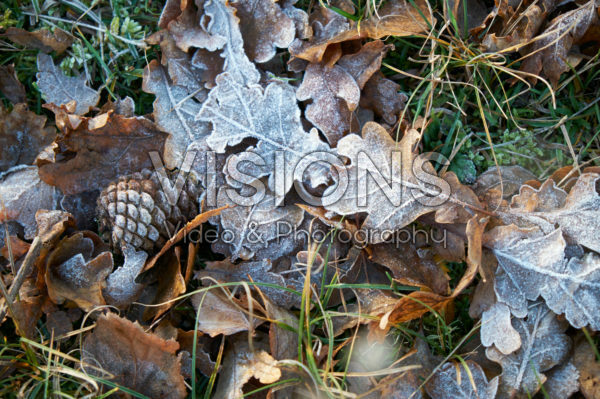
[(24, 271)]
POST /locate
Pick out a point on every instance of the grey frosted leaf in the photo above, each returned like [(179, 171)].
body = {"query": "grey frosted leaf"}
[(188, 32), (300, 18), (526, 258), (241, 363), (218, 313), (575, 291), (59, 89), (222, 22), (271, 116), (510, 178), (532, 264), (248, 229), (23, 193), (121, 288), (259, 271), (334, 94), (563, 381), (544, 345), (578, 214), (404, 198), (455, 381), (264, 27), (364, 63), (496, 329), (175, 110)]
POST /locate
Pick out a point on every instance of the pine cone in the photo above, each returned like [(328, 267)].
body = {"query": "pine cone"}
[(135, 210)]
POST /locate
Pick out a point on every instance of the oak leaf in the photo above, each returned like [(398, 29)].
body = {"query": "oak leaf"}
[(10, 85), (76, 270), (23, 135), (550, 54), (134, 358), (264, 27), (465, 381), (100, 150), (218, 313), (242, 363), (59, 89), (175, 110), (121, 287), (270, 116), (42, 39), (23, 193), (544, 345), (396, 18)]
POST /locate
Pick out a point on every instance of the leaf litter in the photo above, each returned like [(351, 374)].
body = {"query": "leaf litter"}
[(245, 319)]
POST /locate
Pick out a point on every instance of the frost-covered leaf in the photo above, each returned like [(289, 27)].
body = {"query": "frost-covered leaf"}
[(550, 54), (259, 271), (59, 89), (588, 366), (526, 258), (404, 196), (22, 136), (411, 266), (575, 291), (218, 313), (383, 97), (253, 228), (461, 381), (136, 359), (578, 214), (334, 94), (121, 288), (271, 116), (175, 110), (364, 63), (188, 32), (10, 85), (563, 381), (23, 194), (77, 269), (496, 329), (264, 27), (41, 39), (544, 345), (223, 22), (242, 363), (395, 17), (93, 152), (533, 264)]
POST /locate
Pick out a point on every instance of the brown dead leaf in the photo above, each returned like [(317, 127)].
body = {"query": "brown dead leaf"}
[(23, 135), (588, 366), (411, 266), (96, 151), (334, 94), (241, 363), (22, 194), (264, 26), (138, 360), (550, 54), (51, 224), (59, 89), (10, 85), (383, 97), (188, 32), (18, 247), (395, 18), (219, 314), (42, 39), (170, 286), (76, 270)]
